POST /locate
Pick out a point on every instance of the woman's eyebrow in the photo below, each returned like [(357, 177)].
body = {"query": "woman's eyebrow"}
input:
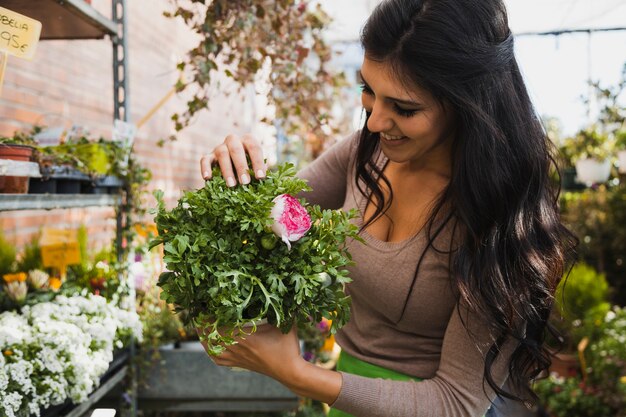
[(397, 100)]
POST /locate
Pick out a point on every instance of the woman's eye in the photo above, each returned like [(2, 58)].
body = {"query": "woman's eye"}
[(365, 89), (404, 112)]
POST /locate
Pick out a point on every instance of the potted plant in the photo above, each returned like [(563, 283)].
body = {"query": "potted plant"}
[(20, 147), (589, 151)]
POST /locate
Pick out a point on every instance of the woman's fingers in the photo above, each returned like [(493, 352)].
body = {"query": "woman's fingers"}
[(222, 155), (206, 166), (231, 157), (237, 154), (253, 148)]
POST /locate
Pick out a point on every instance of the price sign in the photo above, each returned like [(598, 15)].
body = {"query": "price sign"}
[(59, 248), (19, 34)]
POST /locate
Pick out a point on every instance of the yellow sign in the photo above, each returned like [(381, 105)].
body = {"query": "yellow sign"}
[(59, 248), (18, 34)]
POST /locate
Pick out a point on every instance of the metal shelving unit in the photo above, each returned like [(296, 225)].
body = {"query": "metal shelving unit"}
[(64, 19), (12, 202), (71, 20)]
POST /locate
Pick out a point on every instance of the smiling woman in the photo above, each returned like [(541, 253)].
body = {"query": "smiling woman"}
[(462, 242)]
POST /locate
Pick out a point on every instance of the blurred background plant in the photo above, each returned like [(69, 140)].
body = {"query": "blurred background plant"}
[(251, 42)]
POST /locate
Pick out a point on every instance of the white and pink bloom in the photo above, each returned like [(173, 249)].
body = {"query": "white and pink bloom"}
[(291, 220)]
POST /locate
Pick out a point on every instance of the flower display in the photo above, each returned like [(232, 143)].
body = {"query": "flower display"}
[(225, 269), (54, 351), (291, 220)]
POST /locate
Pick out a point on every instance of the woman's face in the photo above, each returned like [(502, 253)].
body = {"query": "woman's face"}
[(414, 128)]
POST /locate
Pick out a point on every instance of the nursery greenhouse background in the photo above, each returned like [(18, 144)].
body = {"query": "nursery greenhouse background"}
[(107, 104)]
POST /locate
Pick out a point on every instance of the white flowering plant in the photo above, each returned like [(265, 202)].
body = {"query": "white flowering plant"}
[(238, 256), (55, 351)]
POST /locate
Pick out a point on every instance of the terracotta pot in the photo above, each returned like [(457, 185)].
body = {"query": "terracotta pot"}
[(10, 184)]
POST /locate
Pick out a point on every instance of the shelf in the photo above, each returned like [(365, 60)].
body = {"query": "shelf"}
[(55, 201), (64, 19)]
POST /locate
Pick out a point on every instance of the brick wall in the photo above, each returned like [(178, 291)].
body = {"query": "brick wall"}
[(70, 82)]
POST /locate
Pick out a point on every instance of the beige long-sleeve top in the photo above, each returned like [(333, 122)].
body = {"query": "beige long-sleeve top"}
[(429, 340)]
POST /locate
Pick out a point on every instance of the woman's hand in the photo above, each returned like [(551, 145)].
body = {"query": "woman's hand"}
[(232, 153), (270, 352), (267, 351)]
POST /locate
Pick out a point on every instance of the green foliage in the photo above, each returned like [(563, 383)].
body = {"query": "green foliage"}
[(598, 217), (580, 299), (606, 358), (7, 256), (22, 138), (219, 272), (620, 140), (583, 291), (587, 143), (30, 258)]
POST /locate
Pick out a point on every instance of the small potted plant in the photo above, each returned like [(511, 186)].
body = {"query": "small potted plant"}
[(589, 151), (20, 147)]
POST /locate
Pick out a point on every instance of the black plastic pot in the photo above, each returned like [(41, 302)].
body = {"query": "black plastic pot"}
[(103, 185)]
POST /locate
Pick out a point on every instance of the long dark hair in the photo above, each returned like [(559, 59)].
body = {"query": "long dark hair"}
[(514, 249)]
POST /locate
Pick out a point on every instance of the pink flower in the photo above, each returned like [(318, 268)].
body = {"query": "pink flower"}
[(291, 220)]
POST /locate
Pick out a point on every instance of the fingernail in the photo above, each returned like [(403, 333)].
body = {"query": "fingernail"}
[(245, 179), (260, 173), (230, 181), (206, 175)]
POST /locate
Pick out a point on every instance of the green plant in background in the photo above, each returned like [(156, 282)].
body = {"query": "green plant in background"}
[(612, 116), (582, 291), (587, 143), (30, 257), (280, 42), (598, 218), (570, 397), (7, 256), (22, 138), (620, 140), (601, 388), (580, 298), (607, 359)]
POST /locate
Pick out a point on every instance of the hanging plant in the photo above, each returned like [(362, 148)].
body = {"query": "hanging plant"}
[(276, 41)]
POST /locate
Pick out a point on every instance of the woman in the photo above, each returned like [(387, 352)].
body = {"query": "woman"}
[(463, 244)]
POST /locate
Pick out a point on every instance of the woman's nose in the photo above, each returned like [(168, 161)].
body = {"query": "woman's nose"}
[(379, 120)]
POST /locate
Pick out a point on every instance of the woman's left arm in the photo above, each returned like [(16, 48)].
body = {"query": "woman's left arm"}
[(270, 352)]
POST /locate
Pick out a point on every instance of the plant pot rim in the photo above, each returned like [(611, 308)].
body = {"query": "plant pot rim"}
[(16, 145)]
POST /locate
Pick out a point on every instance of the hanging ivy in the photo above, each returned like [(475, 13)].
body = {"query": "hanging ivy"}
[(247, 39)]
